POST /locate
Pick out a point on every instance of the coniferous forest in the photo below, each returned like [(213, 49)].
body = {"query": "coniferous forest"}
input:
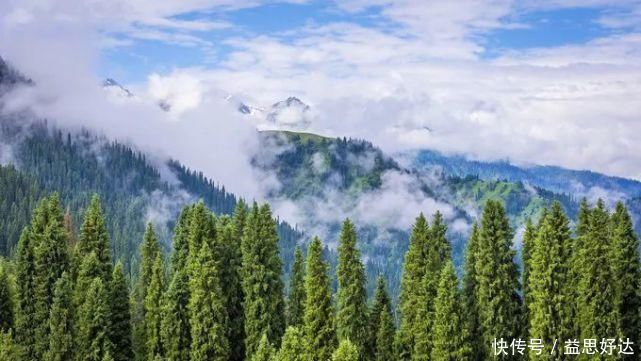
[(220, 293)]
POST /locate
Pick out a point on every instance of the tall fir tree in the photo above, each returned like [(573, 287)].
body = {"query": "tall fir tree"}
[(296, 297), (292, 347), (627, 272), (318, 321), (94, 238), (265, 350), (61, 345), (381, 304), (598, 314), (469, 294), (175, 329), (411, 283), (120, 331), (497, 279), (25, 320), (208, 317), (450, 337), (181, 240), (261, 279), (346, 351), (385, 337), (438, 251), (527, 243), (351, 315), (153, 310), (549, 298), (93, 325), (6, 301)]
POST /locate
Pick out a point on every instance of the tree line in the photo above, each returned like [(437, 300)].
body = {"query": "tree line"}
[(220, 295)]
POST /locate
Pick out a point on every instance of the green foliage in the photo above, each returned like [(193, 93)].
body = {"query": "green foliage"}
[(469, 293), (381, 304), (346, 351), (93, 238), (25, 322), (9, 350), (265, 350), (527, 243), (318, 321), (292, 347), (93, 342), (6, 301), (153, 309), (175, 331), (264, 305), (121, 328), (296, 297), (384, 350), (61, 343), (450, 337), (351, 316)]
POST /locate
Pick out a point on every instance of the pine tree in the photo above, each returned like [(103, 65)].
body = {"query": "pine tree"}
[(296, 300), (61, 345), (438, 251), (450, 338), (231, 257), (175, 331), (180, 240), (527, 244), (90, 269), (385, 337), (597, 314), (153, 310), (351, 316), (120, 331), (261, 279), (549, 306), (627, 272), (25, 320), (93, 324), (346, 351), (381, 304), (265, 350), (208, 317), (94, 238), (318, 321), (292, 347), (6, 301), (411, 283), (149, 252), (9, 350), (200, 232), (496, 278), (469, 294)]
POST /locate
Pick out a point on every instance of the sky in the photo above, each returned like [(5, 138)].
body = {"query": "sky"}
[(532, 81)]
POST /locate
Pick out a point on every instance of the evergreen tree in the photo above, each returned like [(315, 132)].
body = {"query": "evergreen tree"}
[(61, 346), (414, 268), (527, 244), (318, 321), (627, 272), (121, 330), (450, 335), (208, 317), (240, 218), (180, 240), (496, 278), (292, 347), (598, 314), (265, 350), (381, 304), (296, 299), (25, 320), (231, 257), (351, 316), (9, 350), (6, 301), (385, 337), (93, 324), (438, 251), (581, 230), (90, 269), (153, 310), (176, 337), (346, 351), (94, 238), (200, 231), (469, 294), (261, 279), (549, 306)]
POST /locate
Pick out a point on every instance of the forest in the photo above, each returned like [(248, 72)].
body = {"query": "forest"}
[(220, 293)]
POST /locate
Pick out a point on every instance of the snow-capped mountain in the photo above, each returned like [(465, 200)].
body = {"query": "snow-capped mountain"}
[(114, 88)]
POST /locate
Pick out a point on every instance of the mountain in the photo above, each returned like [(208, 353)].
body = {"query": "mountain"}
[(116, 89)]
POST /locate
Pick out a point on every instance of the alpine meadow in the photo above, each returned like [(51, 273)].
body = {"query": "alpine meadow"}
[(320, 180)]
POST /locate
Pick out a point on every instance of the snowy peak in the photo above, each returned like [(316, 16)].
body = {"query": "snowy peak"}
[(114, 88), (291, 113)]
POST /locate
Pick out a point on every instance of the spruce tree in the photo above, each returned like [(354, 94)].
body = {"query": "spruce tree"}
[(61, 345), (9, 350), (380, 304), (527, 243), (25, 320), (346, 351), (385, 337), (549, 300), (450, 338), (497, 278), (627, 272), (351, 316), (94, 238), (175, 331), (153, 310), (149, 252), (414, 267), (296, 299), (265, 350), (598, 314), (318, 320), (93, 324), (6, 301), (121, 330), (261, 280), (469, 294), (181, 240), (208, 317), (292, 347)]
